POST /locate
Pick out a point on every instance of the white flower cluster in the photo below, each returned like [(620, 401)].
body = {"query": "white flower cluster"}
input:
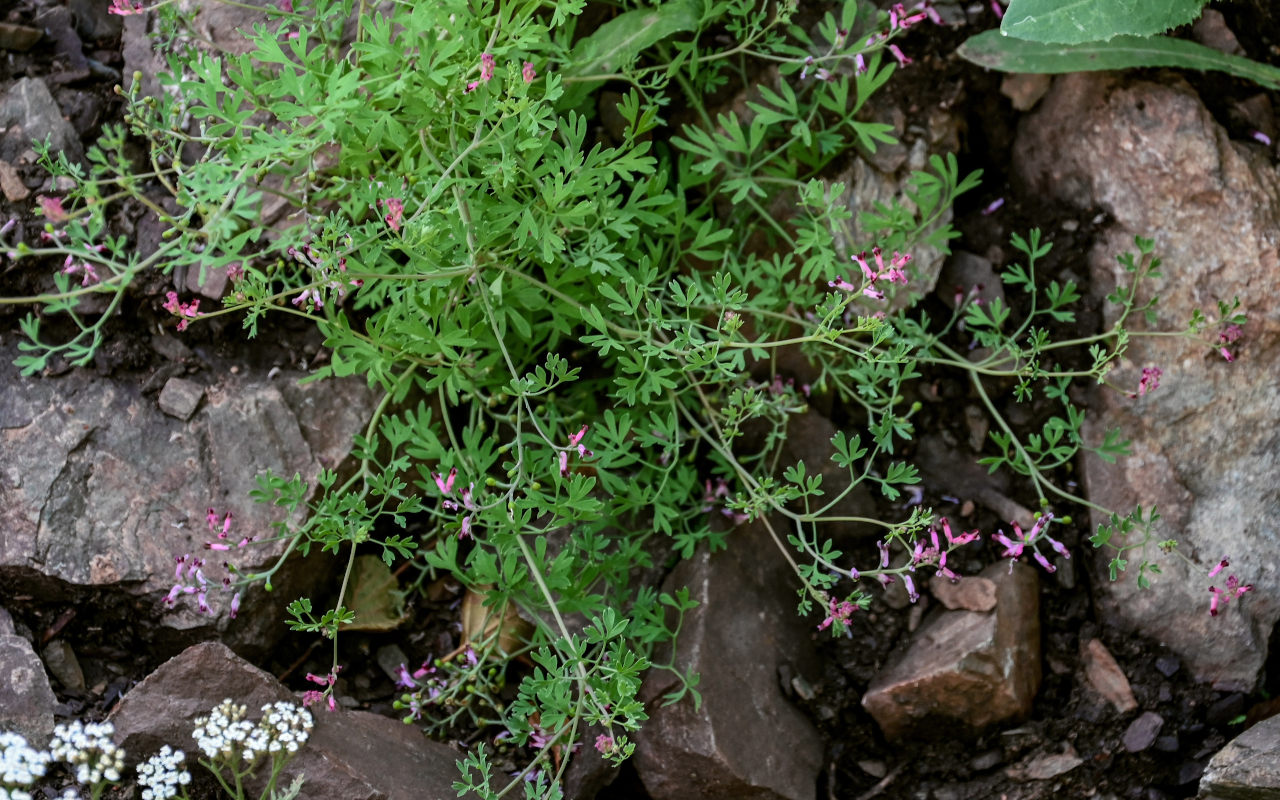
[(89, 749), (221, 733), (287, 726), (20, 765), (284, 728), (162, 774)]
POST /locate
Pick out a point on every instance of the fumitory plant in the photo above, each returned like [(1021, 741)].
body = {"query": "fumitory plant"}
[(576, 332)]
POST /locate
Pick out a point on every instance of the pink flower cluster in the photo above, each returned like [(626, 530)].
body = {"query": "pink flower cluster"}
[(934, 555), (1234, 588), (126, 8), (713, 497), (488, 66), (838, 613), (313, 696), (1228, 336), (338, 284), (1149, 382), (445, 485), (185, 311), (893, 272), (575, 440), (89, 275), (1013, 548), (189, 572), (395, 212)]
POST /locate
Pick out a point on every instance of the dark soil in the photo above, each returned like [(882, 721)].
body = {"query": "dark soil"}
[(117, 648)]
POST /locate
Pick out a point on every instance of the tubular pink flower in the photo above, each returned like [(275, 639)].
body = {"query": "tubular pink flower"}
[(445, 485), (235, 604), (465, 531), (1225, 353), (842, 284), (395, 212), (1044, 562), (873, 293), (487, 65), (563, 455), (1219, 567), (898, 54), (527, 72), (912, 594), (884, 553), (604, 744), (860, 64)]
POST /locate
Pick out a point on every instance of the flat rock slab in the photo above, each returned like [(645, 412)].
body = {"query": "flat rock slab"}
[(966, 670), (352, 755), (1204, 449), (100, 488), (26, 699), (1248, 768), (1104, 676), (747, 740)]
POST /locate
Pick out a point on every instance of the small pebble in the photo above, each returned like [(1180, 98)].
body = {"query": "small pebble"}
[(875, 769), (1167, 744), (1167, 665), (1142, 732), (986, 761)]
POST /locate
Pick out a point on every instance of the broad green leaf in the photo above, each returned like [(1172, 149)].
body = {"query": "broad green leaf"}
[(376, 598), (1006, 54), (618, 42), (1080, 21)]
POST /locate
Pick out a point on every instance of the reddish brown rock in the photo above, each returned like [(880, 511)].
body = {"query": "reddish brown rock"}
[(970, 593), (353, 755), (747, 740), (966, 670), (1105, 676)]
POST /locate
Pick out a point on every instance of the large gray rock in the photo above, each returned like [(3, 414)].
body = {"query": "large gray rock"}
[(747, 740), (1151, 156), (1248, 768), (353, 755), (99, 488), (28, 112), (966, 670), (26, 699)]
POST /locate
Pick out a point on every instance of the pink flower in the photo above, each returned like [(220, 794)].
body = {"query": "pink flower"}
[(403, 679), (997, 9), (471, 87), (527, 72), (486, 67), (309, 297), (1219, 567), (445, 485), (576, 441), (1229, 334), (605, 744), (235, 605), (957, 541), (993, 206), (187, 311), (235, 272), (860, 64), (842, 284), (1225, 353), (1149, 382), (465, 531), (286, 6), (898, 54), (52, 208), (125, 8), (912, 594), (563, 455), (1013, 548), (395, 211), (1223, 596)]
